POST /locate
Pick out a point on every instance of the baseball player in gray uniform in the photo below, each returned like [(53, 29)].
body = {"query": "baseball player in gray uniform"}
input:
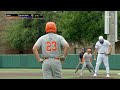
[(87, 59), (51, 52), (103, 48)]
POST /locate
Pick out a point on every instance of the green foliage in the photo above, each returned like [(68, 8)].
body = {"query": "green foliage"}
[(75, 26), (14, 35), (78, 26), (22, 34), (118, 25)]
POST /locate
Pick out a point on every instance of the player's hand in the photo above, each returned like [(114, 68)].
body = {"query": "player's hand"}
[(62, 58), (94, 58), (107, 53), (81, 62), (40, 60)]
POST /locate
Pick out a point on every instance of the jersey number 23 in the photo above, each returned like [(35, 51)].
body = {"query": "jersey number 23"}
[(51, 46)]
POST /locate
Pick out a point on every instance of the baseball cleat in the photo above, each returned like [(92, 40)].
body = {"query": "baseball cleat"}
[(95, 75), (107, 75), (74, 72)]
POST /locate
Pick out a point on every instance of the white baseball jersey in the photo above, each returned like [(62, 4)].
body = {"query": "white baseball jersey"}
[(102, 48), (87, 57), (51, 44)]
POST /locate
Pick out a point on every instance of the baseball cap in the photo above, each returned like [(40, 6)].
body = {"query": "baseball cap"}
[(101, 38)]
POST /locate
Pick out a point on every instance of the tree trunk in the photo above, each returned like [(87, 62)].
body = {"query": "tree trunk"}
[(21, 52)]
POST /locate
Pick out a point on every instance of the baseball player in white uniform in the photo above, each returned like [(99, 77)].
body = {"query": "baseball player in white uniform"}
[(87, 60), (103, 48), (51, 51)]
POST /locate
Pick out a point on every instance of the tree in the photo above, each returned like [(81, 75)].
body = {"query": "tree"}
[(23, 33), (79, 26), (118, 25), (82, 27)]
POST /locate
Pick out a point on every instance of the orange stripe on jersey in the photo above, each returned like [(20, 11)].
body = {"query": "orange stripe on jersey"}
[(91, 60), (83, 60)]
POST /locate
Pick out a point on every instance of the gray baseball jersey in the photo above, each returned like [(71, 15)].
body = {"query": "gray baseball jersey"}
[(87, 57), (87, 62), (51, 44), (102, 48)]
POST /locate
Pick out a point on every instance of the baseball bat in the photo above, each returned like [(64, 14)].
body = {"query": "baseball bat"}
[(77, 68)]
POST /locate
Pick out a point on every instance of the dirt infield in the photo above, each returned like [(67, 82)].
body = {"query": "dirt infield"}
[(88, 75), (67, 74), (20, 74), (91, 77), (72, 76)]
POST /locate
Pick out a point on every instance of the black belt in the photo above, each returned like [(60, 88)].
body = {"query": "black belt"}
[(54, 58), (101, 53)]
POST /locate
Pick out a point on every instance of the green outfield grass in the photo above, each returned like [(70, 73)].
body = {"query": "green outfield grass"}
[(67, 74)]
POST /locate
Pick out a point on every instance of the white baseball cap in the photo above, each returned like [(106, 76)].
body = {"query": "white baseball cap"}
[(101, 38)]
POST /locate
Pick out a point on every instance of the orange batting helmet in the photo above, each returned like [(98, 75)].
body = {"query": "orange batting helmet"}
[(50, 27)]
